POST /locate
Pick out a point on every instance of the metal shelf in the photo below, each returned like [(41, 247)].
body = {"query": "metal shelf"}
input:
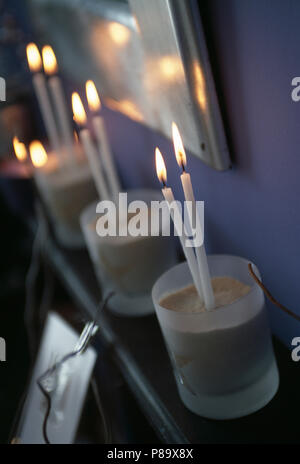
[(139, 352)]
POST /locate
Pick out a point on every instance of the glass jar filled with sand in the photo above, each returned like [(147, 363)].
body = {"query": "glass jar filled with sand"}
[(126, 264), (223, 359), (66, 188)]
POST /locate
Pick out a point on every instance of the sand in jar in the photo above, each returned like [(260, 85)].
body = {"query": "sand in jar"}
[(223, 359), (66, 191)]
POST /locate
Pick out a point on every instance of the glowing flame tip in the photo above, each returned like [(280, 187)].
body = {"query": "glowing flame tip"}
[(38, 154), (49, 60), (160, 166), (20, 149), (92, 96), (178, 146), (78, 110), (33, 57)]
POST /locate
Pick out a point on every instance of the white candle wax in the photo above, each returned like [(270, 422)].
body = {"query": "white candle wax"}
[(188, 251), (94, 161), (46, 110), (64, 120), (205, 278), (106, 155)]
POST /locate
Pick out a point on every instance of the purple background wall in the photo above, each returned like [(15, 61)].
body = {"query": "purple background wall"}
[(253, 209)]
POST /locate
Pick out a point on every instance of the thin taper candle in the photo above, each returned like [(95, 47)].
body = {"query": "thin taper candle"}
[(93, 157), (102, 139), (185, 178), (107, 157), (178, 223), (89, 148), (39, 83), (55, 85)]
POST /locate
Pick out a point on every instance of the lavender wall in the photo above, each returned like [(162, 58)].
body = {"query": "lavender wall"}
[(253, 209)]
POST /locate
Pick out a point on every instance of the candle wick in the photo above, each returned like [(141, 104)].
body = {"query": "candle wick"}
[(182, 166)]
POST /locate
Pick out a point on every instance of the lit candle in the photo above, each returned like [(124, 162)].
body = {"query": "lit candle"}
[(89, 148), (20, 150), (21, 155), (38, 154), (55, 85), (102, 140), (177, 219), (205, 278), (35, 66)]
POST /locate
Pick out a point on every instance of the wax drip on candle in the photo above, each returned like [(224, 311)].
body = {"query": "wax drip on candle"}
[(185, 178)]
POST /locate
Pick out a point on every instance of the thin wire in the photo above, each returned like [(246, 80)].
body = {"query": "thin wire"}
[(82, 346), (270, 296), (107, 430), (46, 417)]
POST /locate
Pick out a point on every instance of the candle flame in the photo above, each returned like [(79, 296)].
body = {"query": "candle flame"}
[(160, 166), (20, 149), (49, 60), (33, 57), (78, 110), (92, 96), (119, 33), (178, 146), (38, 154)]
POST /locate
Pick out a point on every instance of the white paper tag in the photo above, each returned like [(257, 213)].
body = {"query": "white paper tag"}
[(72, 382)]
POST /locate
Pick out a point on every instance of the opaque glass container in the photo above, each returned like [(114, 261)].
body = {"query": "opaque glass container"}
[(223, 359), (66, 191), (129, 265)]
